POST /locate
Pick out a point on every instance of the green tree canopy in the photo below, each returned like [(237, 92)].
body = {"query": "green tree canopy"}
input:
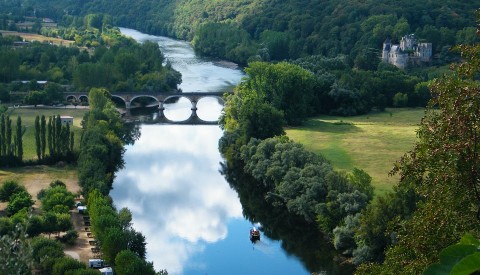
[(9, 188)]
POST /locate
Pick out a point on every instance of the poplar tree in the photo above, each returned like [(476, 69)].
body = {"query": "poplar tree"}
[(18, 139), (53, 152), (8, 136), (38, 144), (43, 136), (49, 136), (72, 138), (2, 136), (58, 135), (66, 138)]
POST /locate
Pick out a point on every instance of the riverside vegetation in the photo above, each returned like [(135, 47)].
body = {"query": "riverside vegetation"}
[(438, 179), (123, 247), (97, 155), (387, 235)]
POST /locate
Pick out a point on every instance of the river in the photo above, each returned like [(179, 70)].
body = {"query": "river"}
[(191, 218)]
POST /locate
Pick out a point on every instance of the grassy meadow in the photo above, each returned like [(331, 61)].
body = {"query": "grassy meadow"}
[(34, 178), (370, 142), (28, 120)]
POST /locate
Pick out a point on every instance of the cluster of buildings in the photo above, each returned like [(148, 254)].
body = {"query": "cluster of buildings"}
[(408, 53)]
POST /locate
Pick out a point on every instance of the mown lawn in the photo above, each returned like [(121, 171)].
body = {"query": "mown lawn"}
[(370, 142), (28, 120)]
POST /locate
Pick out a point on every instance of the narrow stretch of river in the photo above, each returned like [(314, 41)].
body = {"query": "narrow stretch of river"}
[(191, 218)]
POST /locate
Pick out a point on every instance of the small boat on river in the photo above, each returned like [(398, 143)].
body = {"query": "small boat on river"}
[(254, 234)]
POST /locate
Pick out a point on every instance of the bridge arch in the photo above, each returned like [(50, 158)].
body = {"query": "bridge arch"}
[(113, 96), (143, 96), (83, 98), (71, 98)]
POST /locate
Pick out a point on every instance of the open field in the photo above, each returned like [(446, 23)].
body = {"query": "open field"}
[(37, 37), (36, 178), (28, 120), (370, 142)]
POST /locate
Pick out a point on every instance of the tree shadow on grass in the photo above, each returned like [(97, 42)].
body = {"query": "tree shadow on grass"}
[(316, 125)]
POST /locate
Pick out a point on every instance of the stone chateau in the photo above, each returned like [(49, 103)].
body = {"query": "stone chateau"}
[(408, 53)]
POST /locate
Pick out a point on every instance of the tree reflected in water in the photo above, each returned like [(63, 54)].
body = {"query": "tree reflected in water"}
[(299, 238)]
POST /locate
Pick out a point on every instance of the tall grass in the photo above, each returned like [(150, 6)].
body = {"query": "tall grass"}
[(370, 142)]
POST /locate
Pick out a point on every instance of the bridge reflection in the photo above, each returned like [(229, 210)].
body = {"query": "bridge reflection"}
[(161, 99), (192, 120)]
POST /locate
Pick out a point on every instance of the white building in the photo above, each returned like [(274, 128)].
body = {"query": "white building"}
[(66, 120), (408, 53)]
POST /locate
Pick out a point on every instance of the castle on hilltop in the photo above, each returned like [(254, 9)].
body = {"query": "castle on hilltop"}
[(408, 53)]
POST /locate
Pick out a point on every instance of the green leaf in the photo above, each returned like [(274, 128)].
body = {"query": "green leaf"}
[(467, 265), (469, 239), (454, 253), (437, 269), (449, 257)]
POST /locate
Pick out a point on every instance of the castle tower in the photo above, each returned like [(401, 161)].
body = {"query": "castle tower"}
[(408, 42), (387, 45), (424, 51)]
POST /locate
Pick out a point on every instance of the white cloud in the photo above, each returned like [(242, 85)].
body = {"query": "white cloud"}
[(178, 199)]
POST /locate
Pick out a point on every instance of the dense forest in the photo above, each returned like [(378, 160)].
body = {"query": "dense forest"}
[(40, 72), (276, 30)]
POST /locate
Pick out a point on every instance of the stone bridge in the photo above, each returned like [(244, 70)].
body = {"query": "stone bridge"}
[(160, 98)]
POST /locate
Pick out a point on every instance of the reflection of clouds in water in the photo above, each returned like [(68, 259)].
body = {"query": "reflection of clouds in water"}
[(158, 141), (170, 254), (178, 199), (209, 108)]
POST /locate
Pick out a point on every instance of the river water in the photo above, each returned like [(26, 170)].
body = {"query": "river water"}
[(191, 218)]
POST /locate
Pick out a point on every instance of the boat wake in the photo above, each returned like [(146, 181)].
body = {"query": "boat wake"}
[(263, 247)]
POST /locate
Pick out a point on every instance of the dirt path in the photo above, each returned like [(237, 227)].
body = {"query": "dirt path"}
[(82, 246), (72, 254)]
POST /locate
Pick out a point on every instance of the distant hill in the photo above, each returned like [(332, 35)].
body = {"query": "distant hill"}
[(280, 29)]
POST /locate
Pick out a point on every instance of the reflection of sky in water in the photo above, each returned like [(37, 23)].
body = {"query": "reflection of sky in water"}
[(190, 217), (177, 197), (208, 109)]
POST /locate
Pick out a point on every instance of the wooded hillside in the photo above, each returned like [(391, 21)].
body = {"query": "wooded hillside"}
[(279, 29)]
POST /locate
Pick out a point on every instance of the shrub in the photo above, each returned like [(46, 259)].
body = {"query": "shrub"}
[(45, 252), (56, 183), (6, 226), (18, 201), (64, 264), (9, 188), (70, 237)]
